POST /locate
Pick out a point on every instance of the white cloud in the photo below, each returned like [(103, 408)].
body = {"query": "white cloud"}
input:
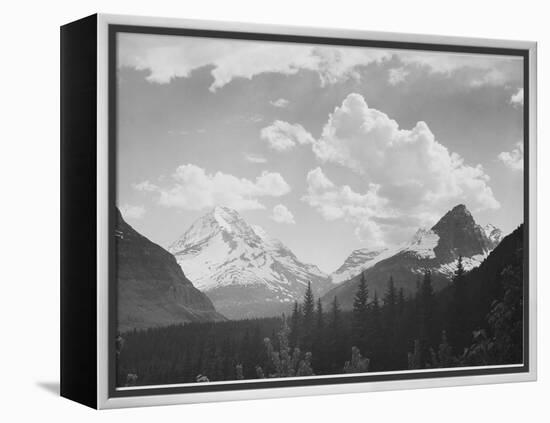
[(410, 178), (477, 69), (283, 136), (334, 203), (145, 186), (517, 99), (192, 188), (132, 212), (169, 57), (254, 158), (397, 75), (280, 103), (282, 215), (513, 159)]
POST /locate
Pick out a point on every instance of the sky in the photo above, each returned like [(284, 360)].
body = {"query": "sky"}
[(328, 148)]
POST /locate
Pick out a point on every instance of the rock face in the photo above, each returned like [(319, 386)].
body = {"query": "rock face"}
[(244, 271), (436, 249), (460, 235), (152, 289)]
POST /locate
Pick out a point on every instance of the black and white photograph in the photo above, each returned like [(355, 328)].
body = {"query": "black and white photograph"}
[(261, 212), (295, 210)]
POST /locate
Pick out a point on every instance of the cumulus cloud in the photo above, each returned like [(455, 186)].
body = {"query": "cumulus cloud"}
[(283, 136), (341, 202), (397, 75), (254, 158), (409, 178), (281, 214), (513, 159), (517, 99), (280, 103), (192, 188), (129, 211)]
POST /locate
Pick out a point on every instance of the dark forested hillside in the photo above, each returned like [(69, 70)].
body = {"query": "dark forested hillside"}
[(477, 320)]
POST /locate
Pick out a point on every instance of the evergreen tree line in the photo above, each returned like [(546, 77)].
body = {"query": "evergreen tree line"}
[(476, 320)]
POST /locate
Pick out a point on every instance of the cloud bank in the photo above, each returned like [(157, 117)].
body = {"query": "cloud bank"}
[(410, 178), (168, 57), (192, 188)]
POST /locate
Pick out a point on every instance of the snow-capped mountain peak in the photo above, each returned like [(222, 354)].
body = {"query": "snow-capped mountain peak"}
[(221, 251), (438, 249), (455, 234)]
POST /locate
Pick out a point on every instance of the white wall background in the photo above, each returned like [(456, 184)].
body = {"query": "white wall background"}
[(29, 243)]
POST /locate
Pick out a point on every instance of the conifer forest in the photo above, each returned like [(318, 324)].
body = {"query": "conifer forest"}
[(476, 320)]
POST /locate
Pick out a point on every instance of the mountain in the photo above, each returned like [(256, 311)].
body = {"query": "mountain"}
[(152, 289), (436, 249), (244, 272), (356, 262)]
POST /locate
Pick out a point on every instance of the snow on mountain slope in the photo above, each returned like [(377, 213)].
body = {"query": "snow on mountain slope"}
[(356, 262), (437, 249), (222, 252), (468, 263), (493, 234), (421, 245)]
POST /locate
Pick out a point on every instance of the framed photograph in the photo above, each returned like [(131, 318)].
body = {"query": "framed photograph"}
[(254, 211)]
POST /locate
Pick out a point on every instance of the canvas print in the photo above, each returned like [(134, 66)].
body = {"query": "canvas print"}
[(294, 210)]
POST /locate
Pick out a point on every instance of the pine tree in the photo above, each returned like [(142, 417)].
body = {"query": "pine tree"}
[(401, 301), (295, 325), (336, 349), (319, 343), (335, 315), (426, 317), (360, 315), (320, 318), (390, 305), (376, 307), (389, 324), (308, 319), (390, 299), (458, 333), (375, 334)]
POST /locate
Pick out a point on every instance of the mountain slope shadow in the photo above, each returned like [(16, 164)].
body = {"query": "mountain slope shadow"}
[(152, 290)]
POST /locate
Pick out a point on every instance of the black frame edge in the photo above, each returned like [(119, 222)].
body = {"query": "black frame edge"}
[(78, 180)]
